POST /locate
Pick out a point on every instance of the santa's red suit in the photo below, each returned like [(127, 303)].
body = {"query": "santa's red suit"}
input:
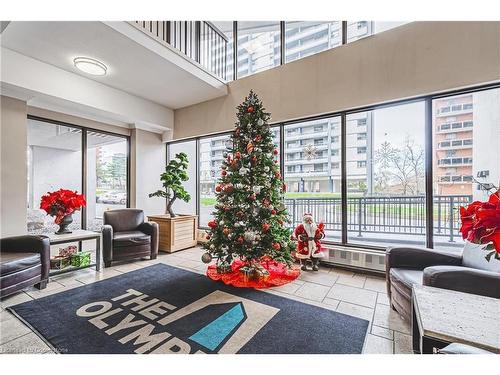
[(309, 235)]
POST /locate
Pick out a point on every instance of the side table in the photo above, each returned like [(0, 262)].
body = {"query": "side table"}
[(442, 316), (77, 236)]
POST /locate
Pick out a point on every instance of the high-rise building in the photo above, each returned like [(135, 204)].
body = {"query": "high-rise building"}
[(453, 145)]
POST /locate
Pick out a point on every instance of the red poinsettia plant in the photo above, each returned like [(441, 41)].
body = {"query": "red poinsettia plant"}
[(481, 224), (62, 203)]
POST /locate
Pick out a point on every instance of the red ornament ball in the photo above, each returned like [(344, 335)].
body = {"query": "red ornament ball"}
[(275, 152), (223, 173), (258, 138), (226, 231), (273, 212), (250, 109), (276, 246), (237, 155), (278, 175), (212, 224), (240, 240), (218, 188), (265, 227)]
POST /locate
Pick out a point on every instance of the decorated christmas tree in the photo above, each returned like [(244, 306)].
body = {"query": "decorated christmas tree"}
[(249, 224)]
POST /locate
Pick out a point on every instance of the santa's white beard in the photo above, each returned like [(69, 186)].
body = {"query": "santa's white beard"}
[(311, 232)]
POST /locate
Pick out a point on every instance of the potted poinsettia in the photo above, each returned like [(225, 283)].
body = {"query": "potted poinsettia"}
[(62, 204), (177, 232), (481, 225)]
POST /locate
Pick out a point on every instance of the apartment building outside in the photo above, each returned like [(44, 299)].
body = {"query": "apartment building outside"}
[(453, 145)]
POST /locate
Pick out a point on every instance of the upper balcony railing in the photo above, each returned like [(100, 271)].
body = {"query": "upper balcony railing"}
[(201, 41)]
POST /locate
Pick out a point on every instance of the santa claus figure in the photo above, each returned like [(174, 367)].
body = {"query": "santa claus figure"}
[(309, 234)]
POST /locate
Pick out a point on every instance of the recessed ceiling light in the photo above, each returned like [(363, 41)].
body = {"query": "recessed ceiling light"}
[(90, 66)]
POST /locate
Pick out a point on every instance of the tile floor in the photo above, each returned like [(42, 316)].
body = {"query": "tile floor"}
[(332, 288)]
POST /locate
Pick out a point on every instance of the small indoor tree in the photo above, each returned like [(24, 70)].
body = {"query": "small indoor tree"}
[(173, 177)]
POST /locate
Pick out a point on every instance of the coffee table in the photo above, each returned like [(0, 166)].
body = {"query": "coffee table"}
[(442, 316), (77, 236)]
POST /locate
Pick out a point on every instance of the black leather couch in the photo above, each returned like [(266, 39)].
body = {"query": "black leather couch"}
[(125, 235), (406, 266), (24, 262)]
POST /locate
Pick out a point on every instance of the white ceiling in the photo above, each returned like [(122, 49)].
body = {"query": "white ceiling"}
[(132, 67)]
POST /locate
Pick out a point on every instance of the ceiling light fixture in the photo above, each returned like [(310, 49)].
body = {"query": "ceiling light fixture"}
[(90, 66)]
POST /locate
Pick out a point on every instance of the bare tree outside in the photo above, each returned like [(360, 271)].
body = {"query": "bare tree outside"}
[(399, 169)]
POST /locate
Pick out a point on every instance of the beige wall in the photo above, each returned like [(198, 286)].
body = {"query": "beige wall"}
[(13, 167), (148, 157), (412, 60)]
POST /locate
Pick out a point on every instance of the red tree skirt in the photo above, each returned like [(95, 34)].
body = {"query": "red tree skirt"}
[(279, 274)]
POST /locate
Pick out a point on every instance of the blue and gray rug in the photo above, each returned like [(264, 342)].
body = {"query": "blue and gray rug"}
[(163, 309)]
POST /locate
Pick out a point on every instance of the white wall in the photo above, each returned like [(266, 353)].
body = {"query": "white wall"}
[(148, 154), (45, 81), (13, 167)]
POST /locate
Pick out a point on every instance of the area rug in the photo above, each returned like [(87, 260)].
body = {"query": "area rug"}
[(164, 309)]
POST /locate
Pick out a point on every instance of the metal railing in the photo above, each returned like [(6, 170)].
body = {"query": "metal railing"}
[(392, 214), (201, 41)]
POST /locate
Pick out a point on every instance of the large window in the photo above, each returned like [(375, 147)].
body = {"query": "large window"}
[(55, 159), (189, 148), (258, 47), (305, 38), (388, 198), (361, 29), (385, 165), (106, 175), (54, 162), (259, 43), (466, 163), (211, 154), (312, 172)]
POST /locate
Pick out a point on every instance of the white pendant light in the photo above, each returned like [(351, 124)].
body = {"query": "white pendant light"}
[(90, 66)]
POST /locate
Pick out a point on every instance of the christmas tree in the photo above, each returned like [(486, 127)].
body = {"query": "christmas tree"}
[(249, 223)]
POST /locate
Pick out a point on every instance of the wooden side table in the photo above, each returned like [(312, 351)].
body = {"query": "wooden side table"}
[(442, 316), (77, 236)]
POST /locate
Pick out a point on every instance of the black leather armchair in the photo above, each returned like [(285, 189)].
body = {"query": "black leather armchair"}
[(24, 262), (125, 235), (406, 266)]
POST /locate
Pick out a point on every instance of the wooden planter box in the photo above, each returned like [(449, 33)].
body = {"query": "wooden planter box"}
[(176, 233)]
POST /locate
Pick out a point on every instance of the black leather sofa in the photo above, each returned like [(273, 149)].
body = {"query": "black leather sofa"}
[(406, 266), (24, 262), (125, 235)]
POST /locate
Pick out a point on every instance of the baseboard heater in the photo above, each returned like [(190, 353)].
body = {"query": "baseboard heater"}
[(356, 258)]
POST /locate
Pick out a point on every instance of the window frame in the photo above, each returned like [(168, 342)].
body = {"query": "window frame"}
[(84, 174)]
